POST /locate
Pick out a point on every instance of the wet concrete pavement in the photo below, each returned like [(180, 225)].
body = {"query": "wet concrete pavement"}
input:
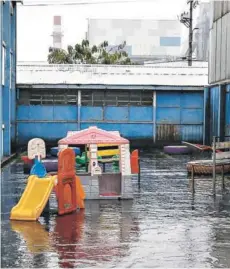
[(164, 226)]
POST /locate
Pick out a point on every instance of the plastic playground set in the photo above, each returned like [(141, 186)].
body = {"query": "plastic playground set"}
[(71, 184)]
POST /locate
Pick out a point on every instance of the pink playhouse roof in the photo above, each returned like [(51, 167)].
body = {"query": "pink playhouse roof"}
[(93, 135)]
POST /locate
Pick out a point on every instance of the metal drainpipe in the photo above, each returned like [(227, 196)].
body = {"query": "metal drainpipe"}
[(79, 110), (190, 32), (1, 27), (16, 91), (154, 116), (222, 109)]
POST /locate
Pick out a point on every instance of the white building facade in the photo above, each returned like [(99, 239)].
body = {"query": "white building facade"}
[(145, 39)]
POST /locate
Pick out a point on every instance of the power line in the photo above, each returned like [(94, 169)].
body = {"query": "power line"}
[(83, 3)]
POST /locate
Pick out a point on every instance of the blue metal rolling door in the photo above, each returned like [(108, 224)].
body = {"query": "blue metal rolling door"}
[(179, 116)]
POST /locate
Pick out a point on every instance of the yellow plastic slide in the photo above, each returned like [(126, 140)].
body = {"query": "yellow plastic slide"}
[(34, 198)]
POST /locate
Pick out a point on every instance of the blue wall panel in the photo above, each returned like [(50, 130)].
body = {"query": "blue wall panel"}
[(141, 113), (23, 112), (168, 115), (206, 129), (65, 112), (6, 21), (13, 115), (168, 99), (126, 129), (116, 113), (180, 116), (192, 100), (47, 131), (7, 34), (40, 112), (91, 113), (192, 116), (214, 111), (137, 130), (192, 132)]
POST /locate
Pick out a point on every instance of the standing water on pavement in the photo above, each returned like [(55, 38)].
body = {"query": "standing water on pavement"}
[(164, 226)]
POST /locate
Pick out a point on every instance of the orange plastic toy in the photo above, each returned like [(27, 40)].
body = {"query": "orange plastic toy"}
[(66, 187), (72, 192), (80, 194), (135, 162)]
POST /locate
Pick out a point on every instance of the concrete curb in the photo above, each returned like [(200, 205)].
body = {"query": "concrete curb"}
[(7, 160)]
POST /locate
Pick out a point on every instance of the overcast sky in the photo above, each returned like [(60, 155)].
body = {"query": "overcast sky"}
[(35, 23)]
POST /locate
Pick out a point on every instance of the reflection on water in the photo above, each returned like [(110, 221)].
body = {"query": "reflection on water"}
[(164, 226), (34, 234)]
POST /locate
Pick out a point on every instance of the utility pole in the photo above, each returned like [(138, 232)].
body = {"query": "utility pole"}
[(187, 19), (190, 32)]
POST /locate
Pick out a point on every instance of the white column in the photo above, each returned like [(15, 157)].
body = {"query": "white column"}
[(93, 163), (125, 167)]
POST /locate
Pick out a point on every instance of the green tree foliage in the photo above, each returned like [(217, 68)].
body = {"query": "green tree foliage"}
[(84, 54)]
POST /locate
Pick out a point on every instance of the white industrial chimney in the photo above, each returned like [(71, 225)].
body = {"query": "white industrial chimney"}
[(57, 32)]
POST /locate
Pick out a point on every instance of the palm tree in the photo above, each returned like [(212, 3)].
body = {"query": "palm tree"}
[(83, 53)]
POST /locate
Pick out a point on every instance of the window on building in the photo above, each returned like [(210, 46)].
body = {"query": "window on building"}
[(147, 98), (24, 97), (88, 97), (98, 98), (3, 63), (135, 98), (116, 98), (110, 98), (47, 97)]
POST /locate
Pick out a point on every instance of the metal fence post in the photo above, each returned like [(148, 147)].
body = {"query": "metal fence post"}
[(214, 165), (222, 174), (193, 180), (139, 174)]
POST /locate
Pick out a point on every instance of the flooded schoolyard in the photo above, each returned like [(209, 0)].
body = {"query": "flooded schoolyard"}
[(164, 226)]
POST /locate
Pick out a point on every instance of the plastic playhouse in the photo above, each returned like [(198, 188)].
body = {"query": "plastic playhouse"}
[(66, 185), (99, 183), (98, 148)]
